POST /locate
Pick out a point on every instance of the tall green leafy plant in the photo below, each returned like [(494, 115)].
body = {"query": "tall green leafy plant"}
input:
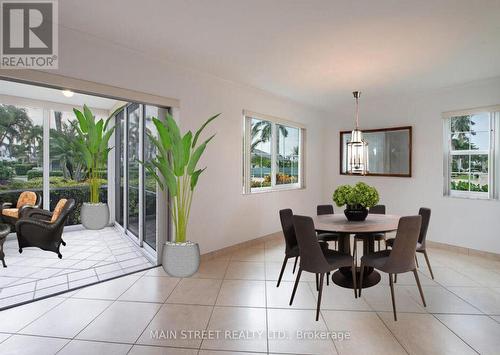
[(175, 167), (92, 141)]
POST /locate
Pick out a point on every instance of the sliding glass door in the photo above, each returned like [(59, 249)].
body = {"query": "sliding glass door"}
[(134, 186), (133, 167), (119, 167), (149, 180)]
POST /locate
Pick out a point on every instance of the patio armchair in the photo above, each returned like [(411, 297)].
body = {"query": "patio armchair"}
[(26, 200), (43, 229)]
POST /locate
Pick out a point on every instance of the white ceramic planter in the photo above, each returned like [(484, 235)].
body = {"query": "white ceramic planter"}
[(181, 259), (94, 215)]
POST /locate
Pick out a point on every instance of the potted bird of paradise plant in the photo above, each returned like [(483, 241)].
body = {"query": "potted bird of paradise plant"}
[(175, 169), (92, 140)]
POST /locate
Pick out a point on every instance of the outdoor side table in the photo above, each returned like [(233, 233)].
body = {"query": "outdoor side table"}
[(4, 231)]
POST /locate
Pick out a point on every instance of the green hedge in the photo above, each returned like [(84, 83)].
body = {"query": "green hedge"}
[(22, 169), (6, 173), (466, 186), (37, 173), (79, 193)]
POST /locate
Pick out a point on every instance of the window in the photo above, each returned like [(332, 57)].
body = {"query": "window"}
[(470, 147), (272, 154), (21, 150)]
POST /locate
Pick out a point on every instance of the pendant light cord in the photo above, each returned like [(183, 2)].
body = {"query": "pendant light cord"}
[(357, 114)]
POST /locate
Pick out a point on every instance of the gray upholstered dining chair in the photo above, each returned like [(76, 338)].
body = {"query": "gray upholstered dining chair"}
[(291, 246), (398, 260), (426, 216), (377, 237), (322, 235), (315, 259)]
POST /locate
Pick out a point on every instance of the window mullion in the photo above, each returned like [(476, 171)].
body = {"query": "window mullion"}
[(273, 154), (46, 159), (493, 163), (247, 159)]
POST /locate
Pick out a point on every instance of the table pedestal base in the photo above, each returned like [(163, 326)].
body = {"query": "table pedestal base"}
[(343, 278)]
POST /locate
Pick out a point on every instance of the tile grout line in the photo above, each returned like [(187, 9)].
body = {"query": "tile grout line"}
[(458, 336), (385, 325), (265, 303), (156, 313), (97, 316), (215, 303)]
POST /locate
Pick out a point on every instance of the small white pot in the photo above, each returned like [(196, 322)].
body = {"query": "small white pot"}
[(94, 215), (181, 259)]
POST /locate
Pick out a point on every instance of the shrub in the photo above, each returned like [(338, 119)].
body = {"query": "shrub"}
[(5, 173), (285, 179), (34, 173), (264, 183), (77, 191), (465, 186), (37, 173), (22, 169), (358, 195)]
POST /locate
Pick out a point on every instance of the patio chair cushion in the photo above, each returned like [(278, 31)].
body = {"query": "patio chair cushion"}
[(11, 212), (57, 211), (26, 198)]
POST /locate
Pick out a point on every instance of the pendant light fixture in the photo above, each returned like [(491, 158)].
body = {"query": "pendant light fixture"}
[(357, 148)]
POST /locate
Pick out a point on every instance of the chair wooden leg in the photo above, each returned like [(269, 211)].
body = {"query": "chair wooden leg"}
[(328, 279), (335, 245), (360, 286), (395, 278), (355, 252), (320, 291), (416, 260), (295, 264), (354, 283), (281, 272), (295, 285), (3, 263), (392, 296), (378, 242), (428, 263), (317, 282), (419, 287)]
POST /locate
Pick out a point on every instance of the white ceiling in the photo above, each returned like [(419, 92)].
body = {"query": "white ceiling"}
[(53, 95), (313, 51)]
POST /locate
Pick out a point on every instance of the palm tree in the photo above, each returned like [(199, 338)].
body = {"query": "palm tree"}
[(33, 141), (461, 128), (261, 133), (64, 148), (14, 123), (58, 120)]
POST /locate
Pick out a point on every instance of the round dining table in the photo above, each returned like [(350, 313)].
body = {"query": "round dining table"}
[(338, 224)]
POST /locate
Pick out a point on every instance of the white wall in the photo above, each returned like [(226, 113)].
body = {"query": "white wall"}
[(221, 215), (463, 222)]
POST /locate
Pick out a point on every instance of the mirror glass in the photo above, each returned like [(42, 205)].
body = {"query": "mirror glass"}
[(389, 151)]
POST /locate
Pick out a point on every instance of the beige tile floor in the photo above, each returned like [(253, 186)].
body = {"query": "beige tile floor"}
[(88, 257), (233, 299)]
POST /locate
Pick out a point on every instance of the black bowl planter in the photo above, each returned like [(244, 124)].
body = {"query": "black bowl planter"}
[(356, 213)]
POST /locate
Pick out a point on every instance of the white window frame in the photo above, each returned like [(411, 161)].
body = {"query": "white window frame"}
[(493, 154), (247, 139)]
